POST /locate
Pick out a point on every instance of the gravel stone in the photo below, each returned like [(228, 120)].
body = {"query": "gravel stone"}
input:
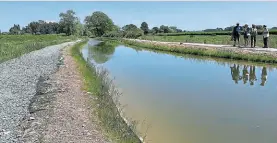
[(18, 79)]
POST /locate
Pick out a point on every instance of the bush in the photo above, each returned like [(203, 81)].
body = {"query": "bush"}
[(113, 34), (133, 33)]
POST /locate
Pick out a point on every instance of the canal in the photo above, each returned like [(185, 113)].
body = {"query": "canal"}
[(192, 99)]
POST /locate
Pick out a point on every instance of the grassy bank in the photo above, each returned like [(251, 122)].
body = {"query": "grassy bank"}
[(219, 53), (97, 82), (12, 46), (209, 39)]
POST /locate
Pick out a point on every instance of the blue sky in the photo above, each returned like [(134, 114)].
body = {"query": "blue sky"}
[(184, 15)]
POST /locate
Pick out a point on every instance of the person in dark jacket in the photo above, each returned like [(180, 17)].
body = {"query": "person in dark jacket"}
[(236, 34)]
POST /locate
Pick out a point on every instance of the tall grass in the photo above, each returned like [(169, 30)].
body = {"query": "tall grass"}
[(106, 104), (12, 46), (208, 39)]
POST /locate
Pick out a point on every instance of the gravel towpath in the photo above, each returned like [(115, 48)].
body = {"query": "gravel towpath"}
[(23, 109), (73, 119), (243, 50)]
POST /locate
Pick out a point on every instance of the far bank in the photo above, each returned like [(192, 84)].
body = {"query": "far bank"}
[(268, 55)]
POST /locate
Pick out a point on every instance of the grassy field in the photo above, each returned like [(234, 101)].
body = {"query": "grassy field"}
[(208, 39), (98, 84), (12, 46)]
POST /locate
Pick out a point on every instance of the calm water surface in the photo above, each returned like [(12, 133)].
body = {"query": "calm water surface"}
[(187, 99)]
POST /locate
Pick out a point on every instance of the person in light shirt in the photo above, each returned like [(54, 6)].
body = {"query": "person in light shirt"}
[(246, 34), (265, 36)]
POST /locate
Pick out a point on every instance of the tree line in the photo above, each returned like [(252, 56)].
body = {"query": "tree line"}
[(96, 24)]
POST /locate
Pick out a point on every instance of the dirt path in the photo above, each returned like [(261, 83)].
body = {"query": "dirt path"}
[(214, 46), (71, 120)]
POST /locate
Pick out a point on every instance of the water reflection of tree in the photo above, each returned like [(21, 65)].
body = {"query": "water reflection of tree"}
[(102, 52), (248, 76)]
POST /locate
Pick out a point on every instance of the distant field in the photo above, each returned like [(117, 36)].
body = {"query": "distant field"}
[(209, 39), (12, 46)]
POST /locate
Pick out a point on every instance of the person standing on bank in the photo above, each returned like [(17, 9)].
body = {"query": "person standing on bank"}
[(246, 34), (236, 34), (253, 33), (265, 36)]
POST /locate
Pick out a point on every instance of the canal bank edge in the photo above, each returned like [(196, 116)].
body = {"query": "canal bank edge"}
[(112, 123), (220, 52)]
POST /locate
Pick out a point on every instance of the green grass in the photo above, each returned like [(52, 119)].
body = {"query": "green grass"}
[(96, 81), (207, 52), (207, 39), (222, 53), (271, 32), (12, 46)]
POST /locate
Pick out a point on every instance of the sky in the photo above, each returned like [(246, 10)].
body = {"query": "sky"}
[(184, 15)]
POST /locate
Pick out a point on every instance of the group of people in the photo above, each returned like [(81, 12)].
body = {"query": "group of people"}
[(249, 32)]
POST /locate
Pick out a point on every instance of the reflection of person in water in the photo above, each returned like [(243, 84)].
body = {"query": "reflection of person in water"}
[(263, 76), (235, 73), (245, 74), (252, 76)]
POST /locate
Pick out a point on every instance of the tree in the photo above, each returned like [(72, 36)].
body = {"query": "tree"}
[(34, 27), (132, 31), (144, 27), (179, 30), (173, 29), (229, 28), (15, 29), (68, 22), (164, 29), (79, 29), (155, 30), (129, 27), (26, 29), (99, 23)]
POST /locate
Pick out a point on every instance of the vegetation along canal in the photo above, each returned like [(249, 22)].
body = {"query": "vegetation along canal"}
[(190, 99)]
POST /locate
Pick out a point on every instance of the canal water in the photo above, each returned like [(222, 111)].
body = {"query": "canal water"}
[(190, 99)]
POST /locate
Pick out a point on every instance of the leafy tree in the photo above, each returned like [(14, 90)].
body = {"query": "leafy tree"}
[(99, 23), (68, 22), (129, 27), (132, 31), (164, 29), (79, 29), (179, 30), (144, 27), (15, 29), (173, 29), (34, 27), (155, 30), (86, 31)]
